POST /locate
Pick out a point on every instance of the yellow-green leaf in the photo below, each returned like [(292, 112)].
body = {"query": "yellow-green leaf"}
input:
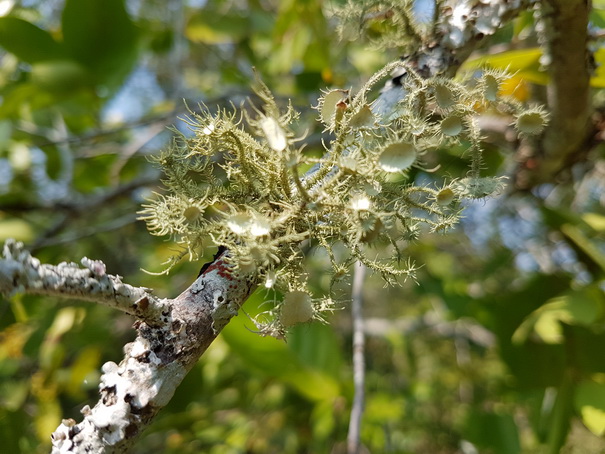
[(590, 403)]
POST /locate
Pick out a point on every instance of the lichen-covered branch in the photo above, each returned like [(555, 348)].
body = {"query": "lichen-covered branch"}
[(172, 335), (460, 28), (20, 272)]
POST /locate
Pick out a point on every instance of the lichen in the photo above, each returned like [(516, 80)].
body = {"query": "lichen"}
[(238, 182)]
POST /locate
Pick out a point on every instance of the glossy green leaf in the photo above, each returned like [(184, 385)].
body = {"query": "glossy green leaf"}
[(526, 64), (29, 43)]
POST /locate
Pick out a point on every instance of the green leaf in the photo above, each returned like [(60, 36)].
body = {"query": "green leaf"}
[(561, 414), (494, 432), (28, 42), (525, 62), (100, 35), (594, 221), (598, 79), (274, 358), (597, 17), (580, 307), (15, 228), (533, 363), (589, 402), (209, 28), (59, 76), (317, 346)]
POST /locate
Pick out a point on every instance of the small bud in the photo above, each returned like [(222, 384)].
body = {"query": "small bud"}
[(340, 111), (327, 105)]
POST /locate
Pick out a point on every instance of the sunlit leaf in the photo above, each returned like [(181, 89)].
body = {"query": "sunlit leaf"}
[(595, 221), (581, 307), (584, 244), (590, 403), (15, 228), (524, 63), (216, 29)]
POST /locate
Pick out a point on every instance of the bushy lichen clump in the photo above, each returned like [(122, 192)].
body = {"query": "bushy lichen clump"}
[(238, 182)]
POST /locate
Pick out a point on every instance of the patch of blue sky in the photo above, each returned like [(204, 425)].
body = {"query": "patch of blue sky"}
[(135, 99)]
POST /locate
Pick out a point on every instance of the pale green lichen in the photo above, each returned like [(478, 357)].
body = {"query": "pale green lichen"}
[(237, 182)]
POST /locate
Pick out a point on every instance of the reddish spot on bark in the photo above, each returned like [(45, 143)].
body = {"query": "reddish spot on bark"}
[(222, 269)]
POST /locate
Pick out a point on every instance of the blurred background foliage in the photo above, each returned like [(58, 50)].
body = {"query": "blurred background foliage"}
[(498, 348)]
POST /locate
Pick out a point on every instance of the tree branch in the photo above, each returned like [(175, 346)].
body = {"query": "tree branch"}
[(565, 34), (154, 365), (20, 272), (461, 28), (353, 437)]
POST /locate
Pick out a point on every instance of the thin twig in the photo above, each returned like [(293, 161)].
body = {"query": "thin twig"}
[(353, 442)]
